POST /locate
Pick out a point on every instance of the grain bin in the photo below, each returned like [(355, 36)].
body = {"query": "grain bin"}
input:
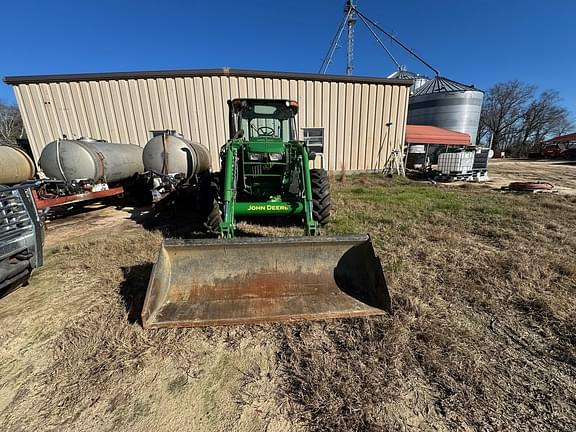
[(171, 153), (447, 104), (89, 159), (15, 165), (419, 80)]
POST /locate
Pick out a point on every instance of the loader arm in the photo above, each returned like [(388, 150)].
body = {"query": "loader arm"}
[(311, 226), (229, 194)]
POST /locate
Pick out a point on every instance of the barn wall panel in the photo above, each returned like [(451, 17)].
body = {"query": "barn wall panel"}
[(363, 122)]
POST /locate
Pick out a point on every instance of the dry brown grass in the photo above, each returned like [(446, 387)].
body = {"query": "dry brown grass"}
[(482, 337), (483, 332), (83, 361)]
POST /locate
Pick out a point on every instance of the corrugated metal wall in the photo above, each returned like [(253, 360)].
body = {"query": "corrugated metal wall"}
[(362, 121)]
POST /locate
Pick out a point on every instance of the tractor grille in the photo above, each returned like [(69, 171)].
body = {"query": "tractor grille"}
[(254, 170)]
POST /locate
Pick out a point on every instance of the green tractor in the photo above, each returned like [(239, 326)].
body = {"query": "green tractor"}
[(265, 171)]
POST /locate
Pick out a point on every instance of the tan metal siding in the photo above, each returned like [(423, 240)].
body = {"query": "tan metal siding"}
[(332, 128), (340, 138), (354, 115)]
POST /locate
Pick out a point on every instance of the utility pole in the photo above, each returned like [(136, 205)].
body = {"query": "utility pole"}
[(350, 11)]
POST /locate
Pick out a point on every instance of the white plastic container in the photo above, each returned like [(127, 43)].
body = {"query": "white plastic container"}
[(456, 163)]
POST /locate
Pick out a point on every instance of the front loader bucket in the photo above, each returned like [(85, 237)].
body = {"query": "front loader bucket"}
[(252, 280)]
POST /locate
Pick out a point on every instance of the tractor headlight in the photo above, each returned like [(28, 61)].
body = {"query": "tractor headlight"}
[(256, 156), (276, 156)]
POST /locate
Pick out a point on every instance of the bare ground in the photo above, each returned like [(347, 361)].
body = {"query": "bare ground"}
[(482, 338), (561, 173)]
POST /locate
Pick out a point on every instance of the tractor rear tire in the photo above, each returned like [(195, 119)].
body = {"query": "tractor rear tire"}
[(320, 196)]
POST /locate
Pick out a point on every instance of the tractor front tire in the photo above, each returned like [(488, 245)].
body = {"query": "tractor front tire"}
[(320, 196), (211, 204)]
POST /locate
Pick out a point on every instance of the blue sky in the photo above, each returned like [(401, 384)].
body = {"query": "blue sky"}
[(475, 42)]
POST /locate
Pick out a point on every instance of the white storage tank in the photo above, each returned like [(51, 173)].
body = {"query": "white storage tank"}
[(15, 165), (90, 159), (170, 153)]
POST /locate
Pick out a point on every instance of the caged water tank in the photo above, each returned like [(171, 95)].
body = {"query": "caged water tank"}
[(447, 104)]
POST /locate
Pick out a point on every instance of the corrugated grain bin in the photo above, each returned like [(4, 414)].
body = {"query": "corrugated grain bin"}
[(15, 165), (447, 104), (87, 158)]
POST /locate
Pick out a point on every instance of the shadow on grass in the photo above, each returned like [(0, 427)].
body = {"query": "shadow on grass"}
[(133, 290)]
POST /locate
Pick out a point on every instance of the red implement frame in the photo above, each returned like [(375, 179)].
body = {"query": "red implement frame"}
[(42, 203)]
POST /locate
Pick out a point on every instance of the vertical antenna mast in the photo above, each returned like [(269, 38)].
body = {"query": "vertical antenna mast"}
[(350, 11)]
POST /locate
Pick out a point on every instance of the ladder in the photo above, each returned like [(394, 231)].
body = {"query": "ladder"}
[(394, 164)]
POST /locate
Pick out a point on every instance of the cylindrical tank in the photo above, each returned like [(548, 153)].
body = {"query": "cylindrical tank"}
[(416, 157), (87, 158), (447, 104), (15, 165), (171, 153), (419, 80)]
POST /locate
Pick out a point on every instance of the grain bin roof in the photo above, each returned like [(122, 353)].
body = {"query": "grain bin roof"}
[(35, 79), (442, 85)]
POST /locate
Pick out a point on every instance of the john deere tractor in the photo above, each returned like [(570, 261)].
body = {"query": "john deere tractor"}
[(265, 169)]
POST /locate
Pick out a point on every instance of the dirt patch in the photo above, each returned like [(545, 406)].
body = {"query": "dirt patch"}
[(562, 174)]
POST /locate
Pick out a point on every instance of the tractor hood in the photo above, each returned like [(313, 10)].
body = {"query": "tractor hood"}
[(265, 145)]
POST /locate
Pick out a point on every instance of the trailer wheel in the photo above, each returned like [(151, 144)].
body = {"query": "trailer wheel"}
[(320, 195)]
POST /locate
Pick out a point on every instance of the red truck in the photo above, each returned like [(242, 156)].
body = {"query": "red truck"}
[(553, 151)]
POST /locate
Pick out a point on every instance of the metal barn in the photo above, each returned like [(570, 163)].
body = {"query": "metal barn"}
[(360, 119)]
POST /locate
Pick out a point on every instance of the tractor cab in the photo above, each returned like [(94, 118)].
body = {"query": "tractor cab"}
[(263, 122), (264, 131)]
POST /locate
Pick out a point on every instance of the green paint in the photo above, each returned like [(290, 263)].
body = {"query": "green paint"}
[(268, 208)]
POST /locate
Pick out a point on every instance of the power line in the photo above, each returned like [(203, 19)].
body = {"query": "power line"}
[(380, 42), (395, 39)]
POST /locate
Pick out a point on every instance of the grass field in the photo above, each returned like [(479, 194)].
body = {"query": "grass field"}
[(482, 337)]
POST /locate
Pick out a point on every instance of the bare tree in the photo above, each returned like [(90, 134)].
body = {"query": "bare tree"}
[(543, 117), (11, 127), (503, 107), (517, 119)]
